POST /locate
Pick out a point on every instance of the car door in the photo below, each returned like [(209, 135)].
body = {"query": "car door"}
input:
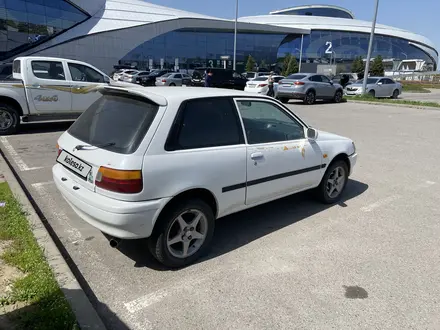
[(84, 81), (48, 89), (280, 159), (186, 80), (327, 87), (381, 88), (177, 79), (390, 85)]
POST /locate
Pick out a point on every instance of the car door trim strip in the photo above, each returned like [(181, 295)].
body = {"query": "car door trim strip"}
[(271, 178)]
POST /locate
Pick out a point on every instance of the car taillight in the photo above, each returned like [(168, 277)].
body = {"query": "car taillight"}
[(121, 181), (299, 83), (58, 149), (262, 85), (164, 80)]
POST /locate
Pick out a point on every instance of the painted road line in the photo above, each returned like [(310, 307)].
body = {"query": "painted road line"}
[(145, 301), (17, 159), (74, 235)]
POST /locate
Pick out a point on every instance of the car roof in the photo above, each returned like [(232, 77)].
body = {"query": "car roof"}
[(160, 95)]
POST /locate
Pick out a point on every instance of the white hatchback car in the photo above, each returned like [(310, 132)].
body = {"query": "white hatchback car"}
[(144, 162), (260, 85)]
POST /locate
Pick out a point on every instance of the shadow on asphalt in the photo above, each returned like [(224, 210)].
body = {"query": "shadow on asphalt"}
[(317, 102), (239, 229), (46, 127)]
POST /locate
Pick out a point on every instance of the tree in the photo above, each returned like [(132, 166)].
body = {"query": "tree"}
[(358, 67), (286, 62), (263, 64), (292, 67), (377, 68), (250, 65)]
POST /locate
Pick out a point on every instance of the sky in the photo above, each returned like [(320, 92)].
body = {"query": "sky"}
[(420, 16)]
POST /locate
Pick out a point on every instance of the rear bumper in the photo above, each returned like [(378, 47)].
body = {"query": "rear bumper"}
[(353, 160), (290, 95), (121, 219)]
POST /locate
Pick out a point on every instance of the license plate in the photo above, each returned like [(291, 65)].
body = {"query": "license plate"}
[(74, 164), (251, 86)]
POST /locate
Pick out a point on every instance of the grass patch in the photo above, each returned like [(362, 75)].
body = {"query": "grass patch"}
[(414, 88), (47, 307), (409, 84), (369, 98)]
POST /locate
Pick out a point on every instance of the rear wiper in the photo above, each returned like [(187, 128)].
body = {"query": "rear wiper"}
[(89, 147)]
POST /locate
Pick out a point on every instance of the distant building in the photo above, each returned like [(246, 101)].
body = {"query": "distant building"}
[(108, 32)]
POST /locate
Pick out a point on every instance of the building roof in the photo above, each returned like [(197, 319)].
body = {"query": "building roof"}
[(290, 9)]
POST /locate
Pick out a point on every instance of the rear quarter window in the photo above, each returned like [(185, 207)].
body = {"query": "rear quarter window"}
[(296, 76), (117, 122)]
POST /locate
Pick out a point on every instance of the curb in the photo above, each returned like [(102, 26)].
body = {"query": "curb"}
[(399, 105), (85, 313)]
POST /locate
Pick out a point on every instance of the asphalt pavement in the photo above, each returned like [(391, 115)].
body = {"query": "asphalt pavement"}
[(434, 96), (372, 261)]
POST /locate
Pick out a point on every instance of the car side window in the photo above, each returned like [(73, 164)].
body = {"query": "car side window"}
[(178, 76), (236, 75), (325, 79), (389, 81), (382, 81), (203, 123), (84, 73), (48, 70), (315, 78), (265, 122)]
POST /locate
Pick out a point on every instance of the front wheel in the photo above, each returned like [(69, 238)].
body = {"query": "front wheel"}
[(184, 233), (395, 94), (9, 119), (372, 93), (333, 183), (338, 97)]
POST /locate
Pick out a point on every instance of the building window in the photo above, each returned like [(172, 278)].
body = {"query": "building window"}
[(25, 24)]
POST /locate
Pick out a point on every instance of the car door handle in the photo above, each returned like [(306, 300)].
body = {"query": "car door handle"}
[(257, 155)]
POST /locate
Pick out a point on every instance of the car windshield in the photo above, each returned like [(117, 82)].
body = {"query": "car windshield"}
[(296, 76), (133, 115), (369, 81), (250, 74), (260, 79)]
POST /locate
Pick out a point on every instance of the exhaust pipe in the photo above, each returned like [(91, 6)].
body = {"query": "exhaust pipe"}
[(114, 242)]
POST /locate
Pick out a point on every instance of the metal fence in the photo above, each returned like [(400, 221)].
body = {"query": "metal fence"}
[(419, 77)]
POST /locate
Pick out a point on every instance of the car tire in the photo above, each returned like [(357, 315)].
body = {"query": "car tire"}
[(330, 191), (395, 94), (284, 100), (169, 227), (9, 119), (372, 93), (338, 96), (172, 85), (310, 98)]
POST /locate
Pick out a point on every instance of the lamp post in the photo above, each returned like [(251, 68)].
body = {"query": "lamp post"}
[(235, 35), (370, 48)]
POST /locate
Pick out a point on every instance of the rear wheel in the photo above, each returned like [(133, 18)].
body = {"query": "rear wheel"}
[(183, 234), (372, 93), (338, 97), (9, 119), (172, 84), (395, 94), (284, 100), (310, 98)]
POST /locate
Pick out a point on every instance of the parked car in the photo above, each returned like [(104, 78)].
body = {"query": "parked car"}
[(349, 77), (181, 160), (118, 75), (376, 87), (150, 80), (221, 78), (260, 85), (253, 75), (309, 87), (135, 77), (46, 88), (119, 68), (174, 79)]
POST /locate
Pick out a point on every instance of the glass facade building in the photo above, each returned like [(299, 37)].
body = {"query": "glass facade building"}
[(323, 12), (26, 23)]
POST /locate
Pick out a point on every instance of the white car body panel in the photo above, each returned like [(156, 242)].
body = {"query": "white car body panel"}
[(223, 171)]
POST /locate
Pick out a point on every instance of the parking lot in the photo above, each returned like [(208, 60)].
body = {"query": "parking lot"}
[(372, 261)]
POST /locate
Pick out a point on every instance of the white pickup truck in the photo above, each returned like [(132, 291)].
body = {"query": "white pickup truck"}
[(45, 89)]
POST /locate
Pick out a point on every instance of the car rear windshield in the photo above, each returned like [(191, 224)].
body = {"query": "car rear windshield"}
[(296, 76), (250, 75), (116, 122), (260, 79)]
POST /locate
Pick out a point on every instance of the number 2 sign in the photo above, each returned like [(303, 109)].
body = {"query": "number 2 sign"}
[(329, 49)]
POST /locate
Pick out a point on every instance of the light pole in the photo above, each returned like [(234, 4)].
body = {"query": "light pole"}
[(301, 53), (404, 54), (235, 35), (370, 48)]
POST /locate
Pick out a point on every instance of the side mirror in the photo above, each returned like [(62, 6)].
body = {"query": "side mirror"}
[(380, 83), (331, 82), (312, 133)]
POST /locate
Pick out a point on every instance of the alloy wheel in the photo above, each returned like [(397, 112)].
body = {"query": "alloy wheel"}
[(187, 233), (336, 182), (6, 119)]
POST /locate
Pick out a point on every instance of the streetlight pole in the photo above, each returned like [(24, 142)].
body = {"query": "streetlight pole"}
[(301, 52), (370, 48), (235, 35)]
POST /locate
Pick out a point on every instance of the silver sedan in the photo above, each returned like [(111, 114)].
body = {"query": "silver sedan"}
[(173, 79), (376, 87)]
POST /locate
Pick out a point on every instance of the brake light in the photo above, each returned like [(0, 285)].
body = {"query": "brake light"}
[(164, 80), (120, 181), (58, 149), (299, 83), (262, 85)]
